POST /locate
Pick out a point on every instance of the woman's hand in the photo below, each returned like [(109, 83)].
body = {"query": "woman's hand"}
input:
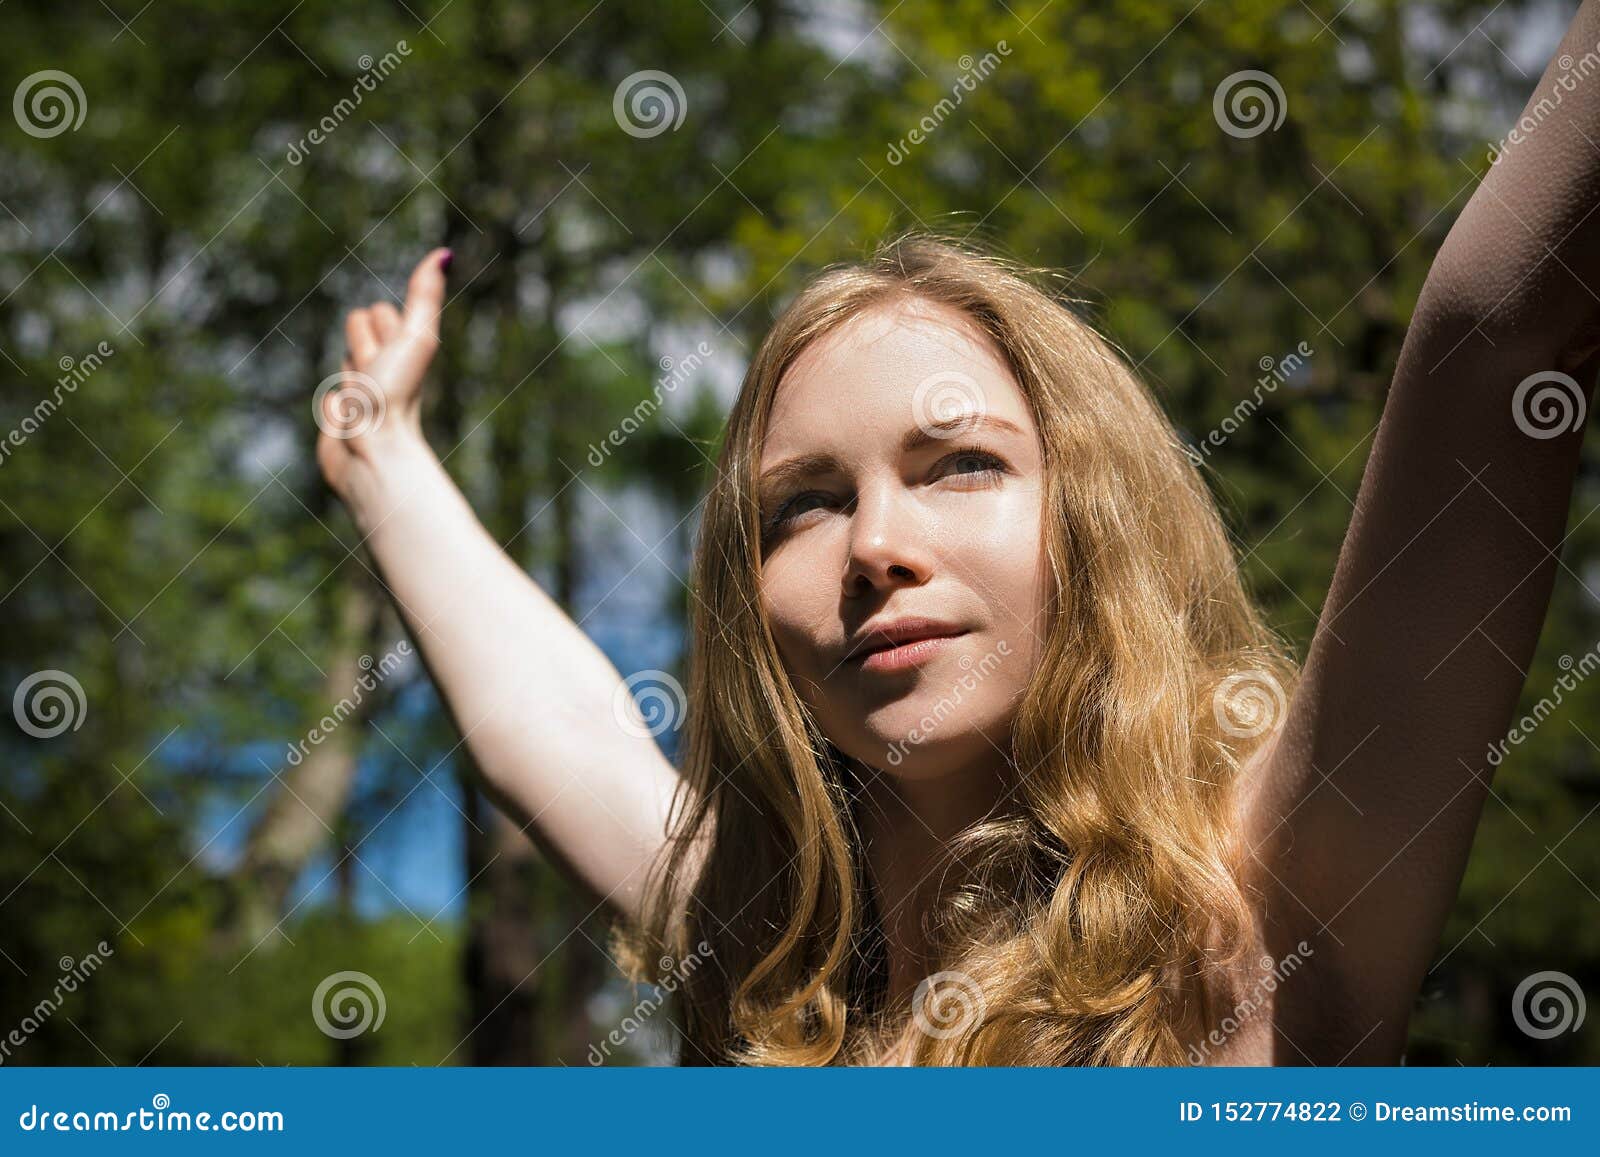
[(374, 402)]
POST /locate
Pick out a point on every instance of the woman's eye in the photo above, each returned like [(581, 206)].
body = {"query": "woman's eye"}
[(966, 463), (974, 462), (790, 509)]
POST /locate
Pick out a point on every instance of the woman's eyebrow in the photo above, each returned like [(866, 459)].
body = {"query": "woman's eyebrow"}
[(792, 469), (925, 434)]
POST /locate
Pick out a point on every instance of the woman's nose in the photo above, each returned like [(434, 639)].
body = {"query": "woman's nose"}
[(888, 544)]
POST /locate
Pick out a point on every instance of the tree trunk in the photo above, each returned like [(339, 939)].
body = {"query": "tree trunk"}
[(310, 799)]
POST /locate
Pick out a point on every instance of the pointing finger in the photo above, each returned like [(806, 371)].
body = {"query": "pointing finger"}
[(425, 294)]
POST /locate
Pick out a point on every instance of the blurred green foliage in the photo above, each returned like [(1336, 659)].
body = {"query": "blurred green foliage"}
[(167, 542)]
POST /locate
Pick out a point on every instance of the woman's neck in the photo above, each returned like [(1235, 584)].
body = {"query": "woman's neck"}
[(907, 827)]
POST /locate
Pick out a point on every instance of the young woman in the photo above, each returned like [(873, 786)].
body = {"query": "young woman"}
[(989, 758)]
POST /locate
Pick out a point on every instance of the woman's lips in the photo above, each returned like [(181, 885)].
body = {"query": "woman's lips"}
[(904, 656)]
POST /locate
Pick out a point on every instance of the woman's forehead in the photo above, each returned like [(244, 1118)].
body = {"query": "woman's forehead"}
[(911, 363)]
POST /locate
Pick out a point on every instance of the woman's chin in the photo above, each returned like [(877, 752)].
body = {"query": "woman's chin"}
[(914, 754)]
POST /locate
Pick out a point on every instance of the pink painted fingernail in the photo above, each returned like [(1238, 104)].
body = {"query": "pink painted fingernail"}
[(444, 261)]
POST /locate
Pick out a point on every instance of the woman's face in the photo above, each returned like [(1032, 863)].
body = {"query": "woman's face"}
[(901, 478)]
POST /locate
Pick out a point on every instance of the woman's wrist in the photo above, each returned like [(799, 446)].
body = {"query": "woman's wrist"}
[(392, 469)]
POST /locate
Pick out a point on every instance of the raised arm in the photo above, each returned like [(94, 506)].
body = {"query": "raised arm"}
[(1363, 808), (535, 699)]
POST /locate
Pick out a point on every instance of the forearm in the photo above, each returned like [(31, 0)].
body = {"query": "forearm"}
[(535, 700), (1519, 262)]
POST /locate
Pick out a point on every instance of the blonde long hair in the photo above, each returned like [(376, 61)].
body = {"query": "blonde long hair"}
[(1105, 906)]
